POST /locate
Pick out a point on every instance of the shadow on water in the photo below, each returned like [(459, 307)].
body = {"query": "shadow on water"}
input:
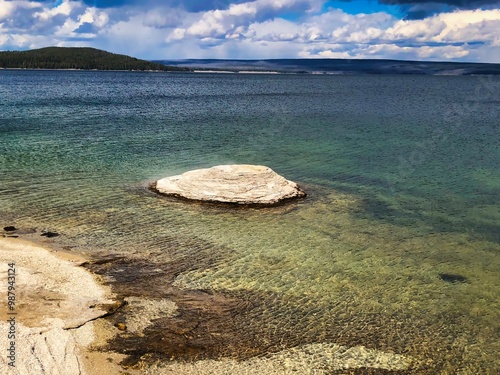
[(403, 214)]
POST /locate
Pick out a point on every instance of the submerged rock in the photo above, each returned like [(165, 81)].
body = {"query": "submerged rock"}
[(453, 278), (238, 184), (49, 234)]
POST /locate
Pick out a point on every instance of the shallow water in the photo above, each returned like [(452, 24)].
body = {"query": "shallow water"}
[(403, 180)]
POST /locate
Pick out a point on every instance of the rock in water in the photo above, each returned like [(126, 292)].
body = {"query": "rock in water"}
[(239, 184)]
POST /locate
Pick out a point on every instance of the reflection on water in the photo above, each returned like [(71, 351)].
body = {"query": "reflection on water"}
[(394, 259)]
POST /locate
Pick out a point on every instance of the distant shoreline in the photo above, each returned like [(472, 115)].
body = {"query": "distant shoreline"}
[(335, 66), (239, 71), (266, 72)]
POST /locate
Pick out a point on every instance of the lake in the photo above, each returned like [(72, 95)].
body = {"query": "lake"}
[(396, 248)]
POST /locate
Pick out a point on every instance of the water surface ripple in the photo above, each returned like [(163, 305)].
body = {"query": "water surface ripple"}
[(396, 247)]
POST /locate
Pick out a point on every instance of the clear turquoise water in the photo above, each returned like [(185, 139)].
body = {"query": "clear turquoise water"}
[(402, 173)]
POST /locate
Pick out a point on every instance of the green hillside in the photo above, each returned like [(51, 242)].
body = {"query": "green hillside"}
[(76, 58)]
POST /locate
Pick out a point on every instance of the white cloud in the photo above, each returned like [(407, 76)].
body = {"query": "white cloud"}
[(277, 29), (91, 15), (381, 51), (334, 26), (326, 54), (38, 24), (222, 22), (4, 38), (251, 29), (417, 53), (459, 26), (459, 19), (64, 8), (6, 8), (243, 9), (176, 34), (9, 7), (336, 34), (419, 30), (79, 16)]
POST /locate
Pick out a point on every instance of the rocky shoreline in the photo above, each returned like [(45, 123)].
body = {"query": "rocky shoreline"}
[(74, 325), (51, 309)]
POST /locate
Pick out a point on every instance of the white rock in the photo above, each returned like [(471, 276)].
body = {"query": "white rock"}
[(239, 183), (55, 303)]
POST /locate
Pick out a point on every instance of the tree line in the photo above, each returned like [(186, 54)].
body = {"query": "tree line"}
[(76, 58)]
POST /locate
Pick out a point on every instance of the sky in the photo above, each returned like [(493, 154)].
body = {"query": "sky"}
[(432, 30)]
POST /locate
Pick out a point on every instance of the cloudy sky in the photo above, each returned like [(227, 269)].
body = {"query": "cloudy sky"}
[(437, 30)]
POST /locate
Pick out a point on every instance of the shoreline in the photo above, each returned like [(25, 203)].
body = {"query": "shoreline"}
[(49, 322), (56, 289)]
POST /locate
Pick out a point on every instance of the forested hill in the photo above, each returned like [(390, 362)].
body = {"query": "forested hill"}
[(77, 58)]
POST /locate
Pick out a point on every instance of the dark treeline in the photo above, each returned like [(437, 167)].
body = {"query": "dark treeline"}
[(76, 58)]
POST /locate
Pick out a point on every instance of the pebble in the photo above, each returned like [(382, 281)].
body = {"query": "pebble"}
[(121, 326)]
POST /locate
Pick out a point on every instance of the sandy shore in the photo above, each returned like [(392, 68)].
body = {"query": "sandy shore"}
[(49, 324)]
